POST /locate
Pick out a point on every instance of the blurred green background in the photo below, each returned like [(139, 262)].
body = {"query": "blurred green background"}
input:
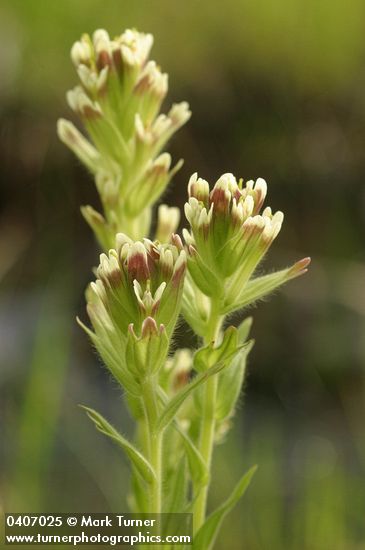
[(277, 90)]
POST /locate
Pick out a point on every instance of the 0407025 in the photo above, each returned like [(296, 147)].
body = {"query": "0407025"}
[(23, 520)]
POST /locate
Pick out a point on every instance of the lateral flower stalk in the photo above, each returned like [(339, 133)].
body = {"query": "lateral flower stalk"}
[(133, 307), (228, 238)]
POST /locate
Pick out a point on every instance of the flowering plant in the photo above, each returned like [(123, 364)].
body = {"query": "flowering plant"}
[(183, 400)]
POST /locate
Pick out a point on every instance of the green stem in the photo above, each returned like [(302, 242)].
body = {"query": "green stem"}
[(149, 393), (137, 227), (208, 421), (156, 462)]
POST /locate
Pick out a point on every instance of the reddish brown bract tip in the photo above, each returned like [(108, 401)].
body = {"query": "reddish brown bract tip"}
[(299, 268), (137, 263), (149, 328)]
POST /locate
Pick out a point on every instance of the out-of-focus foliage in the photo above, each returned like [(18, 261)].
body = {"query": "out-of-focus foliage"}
[(315, 44), (277, 90)]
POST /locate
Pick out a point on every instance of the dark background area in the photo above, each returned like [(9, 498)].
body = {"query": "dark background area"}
[(277, 90)]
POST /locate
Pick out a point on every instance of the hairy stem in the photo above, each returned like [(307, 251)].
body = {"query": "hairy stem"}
[(156, 461), (208, 421), (154, 441)]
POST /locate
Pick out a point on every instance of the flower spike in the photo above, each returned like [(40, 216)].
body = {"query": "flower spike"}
[(118, 100), (229, 237)]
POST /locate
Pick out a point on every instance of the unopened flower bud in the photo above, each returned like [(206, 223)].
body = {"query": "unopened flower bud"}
[(179, 114), (135, 47), (82, 148), (151, 79), (103, 49), (168, 219), (81, 51), (176, 241), (199, 189), (82, 104)]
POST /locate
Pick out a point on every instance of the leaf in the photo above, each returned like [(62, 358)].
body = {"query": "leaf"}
[(244, 328), (257, 288), (137, 499), (175, 403), (209, 355), (112, 359), (203, 277), (208, 532), (230, 383), (225, 352), (197, 466), (231, 380), (176, 498), (138, 460)]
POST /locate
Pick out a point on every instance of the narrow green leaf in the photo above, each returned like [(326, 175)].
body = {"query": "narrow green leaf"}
[(208, 532), (177, 489), (230, 383), (257, 288), (197, 466), (138, 460), (175, 403), (138, 497)]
